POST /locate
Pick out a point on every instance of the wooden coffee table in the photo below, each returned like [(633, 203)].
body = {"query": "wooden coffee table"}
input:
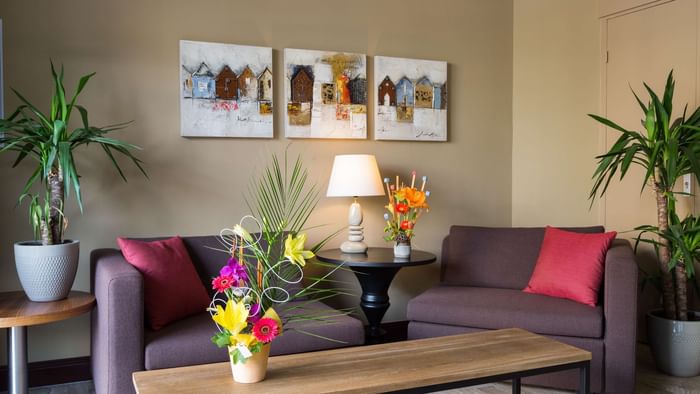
[(422, 365)]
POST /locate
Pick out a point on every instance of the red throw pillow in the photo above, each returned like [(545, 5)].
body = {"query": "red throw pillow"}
[(172, 288), (570, 265)]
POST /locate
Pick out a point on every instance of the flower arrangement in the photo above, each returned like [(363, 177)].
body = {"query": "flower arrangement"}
[(265, 266), (406, 204), (247, 287)]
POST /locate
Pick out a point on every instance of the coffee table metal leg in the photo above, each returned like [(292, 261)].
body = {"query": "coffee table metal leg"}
[(17, 360), (516, 385), (585, 379)]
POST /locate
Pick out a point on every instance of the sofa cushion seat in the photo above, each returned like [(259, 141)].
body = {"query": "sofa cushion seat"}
[(188, 341), (493, 308)]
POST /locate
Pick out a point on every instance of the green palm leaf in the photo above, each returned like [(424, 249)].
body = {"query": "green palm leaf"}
[(48, 140)]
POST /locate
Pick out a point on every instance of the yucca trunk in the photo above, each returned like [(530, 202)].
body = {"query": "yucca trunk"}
[(668, 289), (681, 291), (56, 188)]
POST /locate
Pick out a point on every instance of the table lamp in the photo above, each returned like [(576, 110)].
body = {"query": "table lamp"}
[(355, 176)]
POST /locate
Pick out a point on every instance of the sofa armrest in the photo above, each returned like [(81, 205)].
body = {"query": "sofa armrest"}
[(117, 326), (620, 308)]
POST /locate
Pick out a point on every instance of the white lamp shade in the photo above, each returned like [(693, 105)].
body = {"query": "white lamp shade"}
[(354, 176)]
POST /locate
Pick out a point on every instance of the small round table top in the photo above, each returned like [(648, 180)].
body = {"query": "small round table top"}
[(17, 310), (375, 257)]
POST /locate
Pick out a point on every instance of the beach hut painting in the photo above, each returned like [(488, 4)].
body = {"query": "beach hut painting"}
[(225, 90), (411, 99), (325, 94)]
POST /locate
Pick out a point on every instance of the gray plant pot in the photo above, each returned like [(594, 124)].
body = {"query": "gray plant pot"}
[(675, 344), (46, 272)]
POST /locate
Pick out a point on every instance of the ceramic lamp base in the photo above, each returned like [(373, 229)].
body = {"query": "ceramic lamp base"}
[(353, 247)]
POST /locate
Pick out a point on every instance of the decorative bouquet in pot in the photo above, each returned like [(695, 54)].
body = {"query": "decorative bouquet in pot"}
[(250, 284), (406, 204), (265, 268)]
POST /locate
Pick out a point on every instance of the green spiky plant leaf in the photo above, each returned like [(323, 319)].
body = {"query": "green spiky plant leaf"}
[(666, 150), (281, 198), (48, 139)]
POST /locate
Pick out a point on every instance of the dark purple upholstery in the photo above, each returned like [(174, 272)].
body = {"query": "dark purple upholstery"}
[(188, 341), (494, 257), (483, 271), (483, 307), (120, 345)]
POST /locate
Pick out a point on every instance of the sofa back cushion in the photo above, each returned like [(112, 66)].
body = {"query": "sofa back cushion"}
[(501, 257), (209, 256)]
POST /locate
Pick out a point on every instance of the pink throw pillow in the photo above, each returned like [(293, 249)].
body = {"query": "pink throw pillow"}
[(172, 288), (571, 265)]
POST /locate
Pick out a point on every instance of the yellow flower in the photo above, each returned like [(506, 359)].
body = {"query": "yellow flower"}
[(246, 340), (294, 250), (233, 317), (270, 313)]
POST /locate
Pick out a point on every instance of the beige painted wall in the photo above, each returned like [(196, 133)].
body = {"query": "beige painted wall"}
[(195, 185), (555, 84)]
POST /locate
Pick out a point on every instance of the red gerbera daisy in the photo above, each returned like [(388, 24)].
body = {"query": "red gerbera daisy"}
[(401, 208), (265, 330), (222, 282)]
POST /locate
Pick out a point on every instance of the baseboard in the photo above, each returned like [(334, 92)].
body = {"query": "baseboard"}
[(44, 373)]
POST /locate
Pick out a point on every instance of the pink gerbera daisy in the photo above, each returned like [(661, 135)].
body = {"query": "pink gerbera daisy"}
[(265, 330), (222, 282)]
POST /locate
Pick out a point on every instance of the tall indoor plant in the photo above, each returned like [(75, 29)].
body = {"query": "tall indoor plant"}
[(47, 137), (667, 150)]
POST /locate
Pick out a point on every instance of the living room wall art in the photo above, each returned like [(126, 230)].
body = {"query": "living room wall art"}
[(411, 99), (225, 90), (325, 94)]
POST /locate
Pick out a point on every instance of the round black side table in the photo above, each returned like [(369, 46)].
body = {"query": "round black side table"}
[(375, 270)]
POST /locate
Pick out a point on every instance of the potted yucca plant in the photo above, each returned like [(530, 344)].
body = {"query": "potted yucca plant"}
[(667, 150), (46, 267)]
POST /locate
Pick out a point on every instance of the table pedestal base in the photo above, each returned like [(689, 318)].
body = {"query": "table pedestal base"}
[(375, 284), (17, 360)]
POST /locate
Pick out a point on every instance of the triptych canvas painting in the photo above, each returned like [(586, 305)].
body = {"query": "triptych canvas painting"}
[(227, 91)]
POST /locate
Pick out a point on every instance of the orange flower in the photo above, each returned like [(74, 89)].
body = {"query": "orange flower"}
[(415, 197), (400, 194)]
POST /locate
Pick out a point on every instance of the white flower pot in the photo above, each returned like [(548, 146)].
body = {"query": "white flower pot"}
[(402, 250), (46, 272)]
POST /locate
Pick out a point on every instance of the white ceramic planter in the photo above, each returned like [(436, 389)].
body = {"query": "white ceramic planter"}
[(675, 344), (46, 272), (254, 369), (402, 250)]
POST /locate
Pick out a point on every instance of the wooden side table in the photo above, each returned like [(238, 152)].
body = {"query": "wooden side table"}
[(17, 312), (375, 270)]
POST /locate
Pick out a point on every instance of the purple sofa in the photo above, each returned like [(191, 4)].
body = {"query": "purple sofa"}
[(121, 344), (483, 273)]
